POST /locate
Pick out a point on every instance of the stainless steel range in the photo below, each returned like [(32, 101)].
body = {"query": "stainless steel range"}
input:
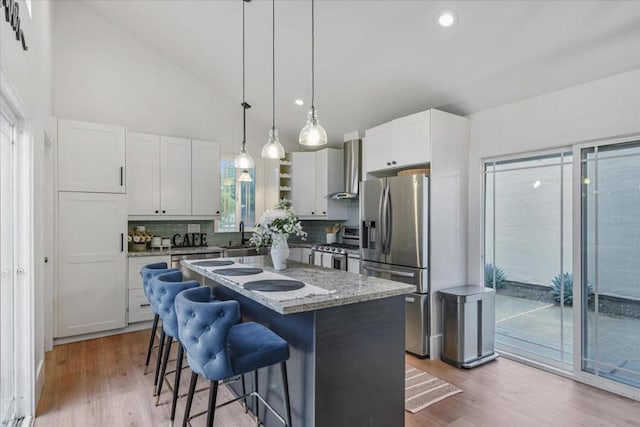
[(335, 255)]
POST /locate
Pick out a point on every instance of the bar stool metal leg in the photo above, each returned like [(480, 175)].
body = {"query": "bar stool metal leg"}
[(213, 394), (244, 393), (176, 382), (255, 398), (151, 340), (285, 389), (160, 351), (192, 389), (165, 362)]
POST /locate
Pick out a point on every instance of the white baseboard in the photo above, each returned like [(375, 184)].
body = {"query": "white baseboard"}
[(435, 346), (84, 337)]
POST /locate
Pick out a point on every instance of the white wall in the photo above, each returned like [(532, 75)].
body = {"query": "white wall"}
[(603, 108), (102, 74), (29, 73)]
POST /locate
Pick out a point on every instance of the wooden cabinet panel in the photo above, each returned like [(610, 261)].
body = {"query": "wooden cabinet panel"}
[(205, 178), (91, 157), (90, 295)]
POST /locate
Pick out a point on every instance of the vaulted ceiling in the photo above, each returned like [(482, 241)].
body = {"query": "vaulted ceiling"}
[(378, 60)]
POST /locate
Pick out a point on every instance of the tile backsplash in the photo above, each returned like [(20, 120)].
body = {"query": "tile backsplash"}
[(169, 228), (315, 229)]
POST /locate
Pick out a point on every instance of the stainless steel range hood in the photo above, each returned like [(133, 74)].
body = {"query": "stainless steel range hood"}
[(352, 170)]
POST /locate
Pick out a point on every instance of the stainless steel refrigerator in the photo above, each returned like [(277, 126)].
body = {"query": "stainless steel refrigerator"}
[(394, 243)]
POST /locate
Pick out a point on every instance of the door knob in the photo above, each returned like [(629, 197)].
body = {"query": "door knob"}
[(20, 270)]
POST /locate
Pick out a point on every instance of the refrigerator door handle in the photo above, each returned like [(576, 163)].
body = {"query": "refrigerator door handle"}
[(389, 225), (391, 272), (381, 220)]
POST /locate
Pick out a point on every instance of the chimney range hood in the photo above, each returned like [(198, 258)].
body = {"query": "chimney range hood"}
[(352, 170)]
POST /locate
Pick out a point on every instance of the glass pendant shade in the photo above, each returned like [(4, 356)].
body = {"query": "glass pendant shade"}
[(273, 149), (243, 160), (312, 134), (245, 176)]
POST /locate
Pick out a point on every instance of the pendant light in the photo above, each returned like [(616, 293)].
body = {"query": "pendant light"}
[(245, 176), (244, 160), (312, 134), (273, 149)]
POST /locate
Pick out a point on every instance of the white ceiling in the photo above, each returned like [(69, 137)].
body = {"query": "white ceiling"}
[(378, 60)]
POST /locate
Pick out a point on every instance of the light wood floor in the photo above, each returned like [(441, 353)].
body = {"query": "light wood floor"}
[(101, 383)]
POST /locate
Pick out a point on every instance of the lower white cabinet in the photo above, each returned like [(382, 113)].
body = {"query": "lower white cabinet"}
[(295, 254), (353, 265), (91, 290), (306, 256), (139, 307)]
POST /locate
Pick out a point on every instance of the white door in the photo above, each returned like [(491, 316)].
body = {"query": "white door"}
[(91, 157), (7, 270), (143, 174), (205, 178), (377, 148), (322, 182), (303, 186), (91, 279), (410, 139), (175, 176)]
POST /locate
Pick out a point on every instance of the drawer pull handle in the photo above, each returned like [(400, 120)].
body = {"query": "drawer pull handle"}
[(145, 305)]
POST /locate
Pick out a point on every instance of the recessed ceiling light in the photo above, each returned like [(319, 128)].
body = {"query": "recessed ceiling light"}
[(448, 18), (536, 184), (299, 102)]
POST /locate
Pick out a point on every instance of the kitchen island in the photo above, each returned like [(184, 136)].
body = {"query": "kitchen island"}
[(347, 347)]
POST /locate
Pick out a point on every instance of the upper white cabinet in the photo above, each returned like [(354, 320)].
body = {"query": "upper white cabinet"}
[(143, 173), (205, 178), (314, 175), (91, 157), (175, 176), (90, 292), (159, 171), (402, 142)]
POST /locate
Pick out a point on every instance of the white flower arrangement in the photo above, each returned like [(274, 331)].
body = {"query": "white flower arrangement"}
[(279, 220)]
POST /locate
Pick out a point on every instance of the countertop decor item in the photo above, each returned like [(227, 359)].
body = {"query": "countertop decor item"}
[(425, 171), (273, 149), (275, 227), (244, 160), (313, 134)]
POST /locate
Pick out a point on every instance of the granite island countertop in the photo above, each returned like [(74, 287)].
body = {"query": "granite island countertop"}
[(348, 288)]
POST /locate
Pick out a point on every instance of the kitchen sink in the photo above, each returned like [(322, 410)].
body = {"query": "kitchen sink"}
[(243, 250)]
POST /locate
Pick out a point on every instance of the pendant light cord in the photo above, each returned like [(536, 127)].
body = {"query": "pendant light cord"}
[(244, 104), (313, 50), (273, 60)]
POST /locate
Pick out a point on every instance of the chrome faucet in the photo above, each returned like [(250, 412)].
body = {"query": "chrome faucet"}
[(242, 239)]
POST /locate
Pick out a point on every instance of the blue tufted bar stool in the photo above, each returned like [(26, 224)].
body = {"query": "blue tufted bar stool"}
[(219, 348), (148, 272), (165, 288)]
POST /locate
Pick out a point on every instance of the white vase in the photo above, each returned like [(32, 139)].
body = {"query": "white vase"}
[(279, 252)]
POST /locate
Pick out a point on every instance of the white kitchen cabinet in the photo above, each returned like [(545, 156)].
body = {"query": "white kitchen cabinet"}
[(139, 307), (402, 142), (295, 254), (91, 289), (143, 174), (314, 176), (175, 176), (135, 264), (91, 157), (159, 175), (306, 256), (205, 178), (303, 176), (353, 265)]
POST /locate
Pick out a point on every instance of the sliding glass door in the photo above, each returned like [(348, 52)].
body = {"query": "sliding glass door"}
[(610, 261), (7, 303), (527, 255)]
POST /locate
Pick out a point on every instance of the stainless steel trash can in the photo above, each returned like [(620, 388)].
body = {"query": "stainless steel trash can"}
[(468, 319)]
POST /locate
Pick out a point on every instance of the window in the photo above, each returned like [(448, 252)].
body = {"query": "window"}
[(237, 199)]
